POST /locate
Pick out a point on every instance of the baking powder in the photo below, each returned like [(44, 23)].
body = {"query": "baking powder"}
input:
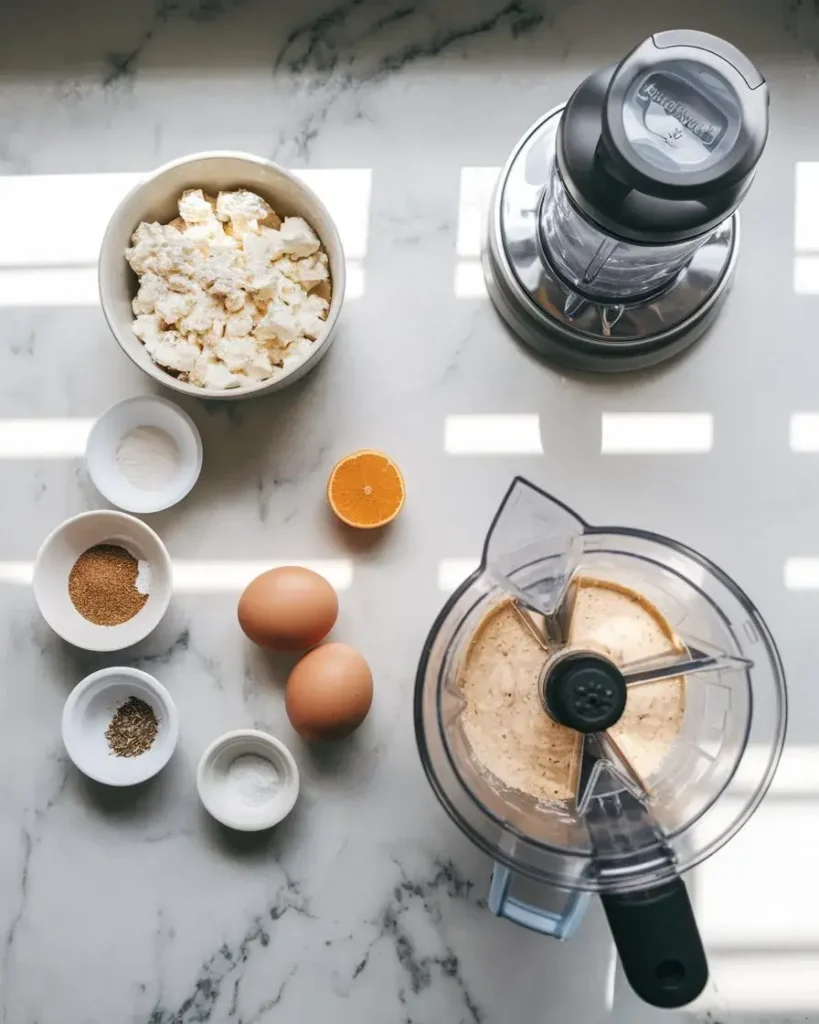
[(148, 458)]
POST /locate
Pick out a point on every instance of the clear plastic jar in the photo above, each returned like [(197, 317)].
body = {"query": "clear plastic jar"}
[(599, 266)]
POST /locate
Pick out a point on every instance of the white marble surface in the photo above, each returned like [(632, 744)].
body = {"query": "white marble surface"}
[(367, 904)]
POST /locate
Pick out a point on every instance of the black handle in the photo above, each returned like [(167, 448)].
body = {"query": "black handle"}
[(659, 944)]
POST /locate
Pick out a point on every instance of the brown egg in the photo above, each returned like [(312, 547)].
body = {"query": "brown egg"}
[(329, 692), (288, 609)]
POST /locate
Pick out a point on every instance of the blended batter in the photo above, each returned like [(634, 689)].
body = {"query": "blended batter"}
[(625, 626), (510, 734)]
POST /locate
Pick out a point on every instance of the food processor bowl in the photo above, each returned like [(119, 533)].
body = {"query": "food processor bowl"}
[(631, 825), (596, 266)]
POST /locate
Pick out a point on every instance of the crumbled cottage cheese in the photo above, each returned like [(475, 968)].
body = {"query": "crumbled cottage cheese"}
[(229, 294)]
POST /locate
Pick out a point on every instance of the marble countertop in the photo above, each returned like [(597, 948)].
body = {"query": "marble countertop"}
[(367, 905)]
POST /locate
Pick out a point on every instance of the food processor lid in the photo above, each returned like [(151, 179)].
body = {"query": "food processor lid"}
[(663, 147)]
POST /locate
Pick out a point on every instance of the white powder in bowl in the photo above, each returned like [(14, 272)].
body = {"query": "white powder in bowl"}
[(148, 458), (143, 580), (252, 780)]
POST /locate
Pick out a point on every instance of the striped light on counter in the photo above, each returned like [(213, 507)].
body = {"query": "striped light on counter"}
[(493, 434), (658, 433), (215, 576)]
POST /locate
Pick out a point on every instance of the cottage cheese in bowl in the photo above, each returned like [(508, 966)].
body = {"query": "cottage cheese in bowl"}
[(230, 294)]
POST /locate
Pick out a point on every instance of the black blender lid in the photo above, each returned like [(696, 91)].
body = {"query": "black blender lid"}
[(662, 147)]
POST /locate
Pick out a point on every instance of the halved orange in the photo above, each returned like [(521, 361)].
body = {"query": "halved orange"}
[(366, 489)]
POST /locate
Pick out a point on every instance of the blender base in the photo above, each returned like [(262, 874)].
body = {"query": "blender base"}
[(566, 327)]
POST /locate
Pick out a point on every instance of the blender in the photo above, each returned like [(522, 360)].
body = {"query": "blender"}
[(669, 745), (613, 229)]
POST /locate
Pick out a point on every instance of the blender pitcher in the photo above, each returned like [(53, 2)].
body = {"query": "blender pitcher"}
[(640, 677)]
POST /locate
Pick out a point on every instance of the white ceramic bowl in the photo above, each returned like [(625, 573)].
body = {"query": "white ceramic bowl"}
[(56, 558), (88, 712), (114, 425), (155, 199), (216, 792)]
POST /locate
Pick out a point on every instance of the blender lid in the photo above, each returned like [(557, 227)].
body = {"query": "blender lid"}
[(663, 147)]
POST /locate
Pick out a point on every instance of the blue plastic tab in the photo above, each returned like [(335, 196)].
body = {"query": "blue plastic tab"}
[(559, 925)]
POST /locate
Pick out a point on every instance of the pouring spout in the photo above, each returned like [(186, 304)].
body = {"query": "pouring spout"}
[(528, 515)]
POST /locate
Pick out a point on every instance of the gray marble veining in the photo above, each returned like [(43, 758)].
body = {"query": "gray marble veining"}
[(367, 904)]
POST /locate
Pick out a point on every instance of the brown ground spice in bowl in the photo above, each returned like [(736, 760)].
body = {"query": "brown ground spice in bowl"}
[(102, 585)]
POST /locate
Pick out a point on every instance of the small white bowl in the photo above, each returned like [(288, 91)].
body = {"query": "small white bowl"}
[(120, 420), (215, 791), (56, 558), (155, 199), (88, 712)]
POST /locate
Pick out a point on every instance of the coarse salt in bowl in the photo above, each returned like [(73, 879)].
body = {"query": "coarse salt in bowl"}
[(60, 551), (247, 800), (156, 198)]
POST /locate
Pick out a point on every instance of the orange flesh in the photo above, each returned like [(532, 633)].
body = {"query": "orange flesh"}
[(366, 489)]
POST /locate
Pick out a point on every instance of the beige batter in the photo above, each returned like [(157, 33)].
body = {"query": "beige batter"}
[(510, 734), (625, 626)]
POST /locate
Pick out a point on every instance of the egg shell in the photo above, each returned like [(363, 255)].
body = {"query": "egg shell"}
[(329, 692), (288, 609)]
